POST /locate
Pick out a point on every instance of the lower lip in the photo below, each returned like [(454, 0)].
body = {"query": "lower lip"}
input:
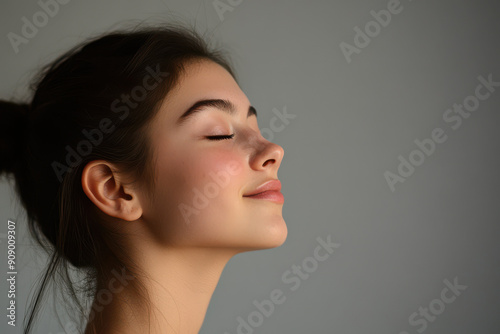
[(271, 195)]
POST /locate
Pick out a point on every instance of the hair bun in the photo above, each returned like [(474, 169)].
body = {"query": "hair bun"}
[(13, 122)]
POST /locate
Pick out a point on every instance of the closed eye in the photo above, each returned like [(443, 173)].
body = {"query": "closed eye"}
[(221, 137)]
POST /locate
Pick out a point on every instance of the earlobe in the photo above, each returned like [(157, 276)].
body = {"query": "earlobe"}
[(104, 187)]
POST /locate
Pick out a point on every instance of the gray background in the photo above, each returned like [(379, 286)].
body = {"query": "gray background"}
[(352, 122)]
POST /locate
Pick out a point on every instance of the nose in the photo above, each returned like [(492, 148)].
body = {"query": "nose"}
[(267, 155)]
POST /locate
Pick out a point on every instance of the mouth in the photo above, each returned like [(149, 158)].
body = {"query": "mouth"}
[(270, 190), (269, 195)]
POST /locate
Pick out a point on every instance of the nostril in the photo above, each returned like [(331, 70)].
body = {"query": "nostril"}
[(265, 163)]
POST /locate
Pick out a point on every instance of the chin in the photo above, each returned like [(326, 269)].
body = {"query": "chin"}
[(280, 236), (272, 236)]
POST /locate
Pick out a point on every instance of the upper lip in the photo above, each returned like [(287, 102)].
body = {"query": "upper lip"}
[(274, 184)]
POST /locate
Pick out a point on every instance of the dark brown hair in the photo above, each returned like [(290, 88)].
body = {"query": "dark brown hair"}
[(45, 144)]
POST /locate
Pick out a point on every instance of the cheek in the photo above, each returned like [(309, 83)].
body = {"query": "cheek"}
[(216, 174), (196, 187), (221, 162)]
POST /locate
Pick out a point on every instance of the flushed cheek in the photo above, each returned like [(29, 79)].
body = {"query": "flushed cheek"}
[(225, 162), (213, 187), (220, 173)]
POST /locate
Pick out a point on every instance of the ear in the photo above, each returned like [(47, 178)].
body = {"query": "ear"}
[(107, 190)]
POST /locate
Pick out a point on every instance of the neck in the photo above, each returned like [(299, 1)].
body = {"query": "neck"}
[(180, 283)]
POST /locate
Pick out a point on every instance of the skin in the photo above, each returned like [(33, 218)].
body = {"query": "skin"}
[(182, 255)]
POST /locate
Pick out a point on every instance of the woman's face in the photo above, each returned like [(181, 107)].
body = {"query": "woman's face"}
[(200, 181)]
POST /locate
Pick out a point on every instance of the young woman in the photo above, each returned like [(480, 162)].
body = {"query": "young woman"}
[(140, 164)]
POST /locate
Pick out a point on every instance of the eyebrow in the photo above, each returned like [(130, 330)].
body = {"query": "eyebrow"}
[(221, 104)]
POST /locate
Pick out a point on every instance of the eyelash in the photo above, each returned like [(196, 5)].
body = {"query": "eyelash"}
[(221, 137)]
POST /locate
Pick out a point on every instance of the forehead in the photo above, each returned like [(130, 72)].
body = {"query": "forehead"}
[(202, 79)]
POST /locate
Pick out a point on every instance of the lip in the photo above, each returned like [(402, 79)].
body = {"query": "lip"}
[(270, 195), (270, 190)]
